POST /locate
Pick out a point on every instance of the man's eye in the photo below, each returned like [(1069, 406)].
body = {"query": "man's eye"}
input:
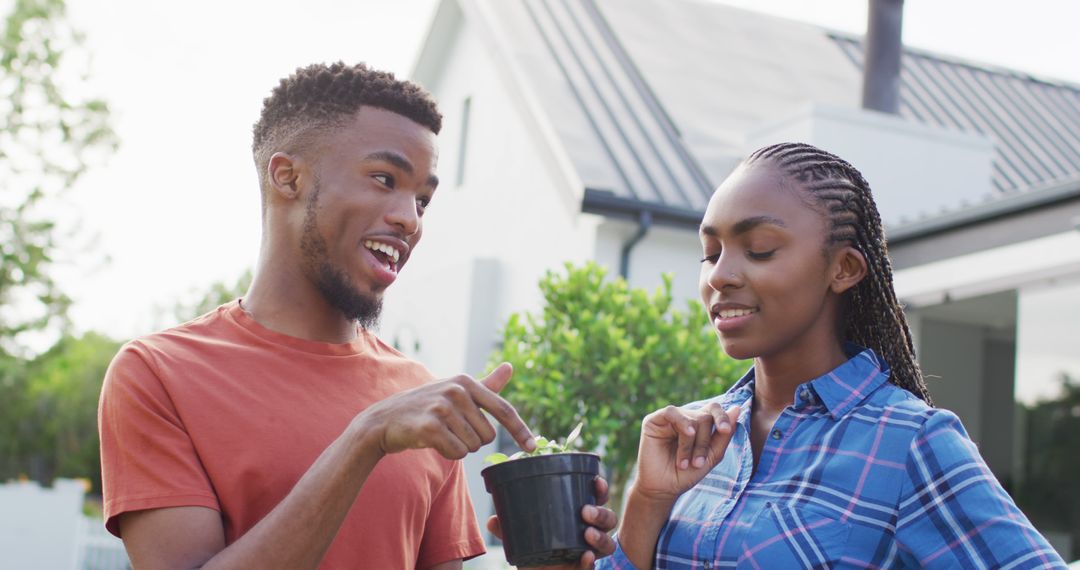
[(760, 256), (385, 180), (422, 203), (711, 258)]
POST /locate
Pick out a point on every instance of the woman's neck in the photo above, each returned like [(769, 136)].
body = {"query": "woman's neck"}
[(777, 376)]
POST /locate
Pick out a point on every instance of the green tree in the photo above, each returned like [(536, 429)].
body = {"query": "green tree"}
[(1048, 493), (607, 354), (12, 411), (51, 411), (49, 138), (219, 293)]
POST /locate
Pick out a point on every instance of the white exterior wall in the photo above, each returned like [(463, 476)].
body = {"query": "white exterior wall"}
[(914, 170), (510, 210), (488, 241), (663, 250)]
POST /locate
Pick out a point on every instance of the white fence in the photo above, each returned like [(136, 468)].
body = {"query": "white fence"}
[(44, 528)]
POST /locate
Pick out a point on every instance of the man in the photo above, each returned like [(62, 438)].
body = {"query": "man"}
[(276, 431)]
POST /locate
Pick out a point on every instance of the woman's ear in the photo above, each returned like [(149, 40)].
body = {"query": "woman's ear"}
[(848, 268)]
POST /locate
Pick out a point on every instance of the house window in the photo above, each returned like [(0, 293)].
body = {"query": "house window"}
[(466, 108)]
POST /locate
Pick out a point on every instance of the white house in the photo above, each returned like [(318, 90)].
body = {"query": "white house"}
[(596, 130)]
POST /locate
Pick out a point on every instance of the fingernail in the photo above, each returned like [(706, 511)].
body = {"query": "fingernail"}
[(690, 430), (699, 462), (588, 511), (684, 464)]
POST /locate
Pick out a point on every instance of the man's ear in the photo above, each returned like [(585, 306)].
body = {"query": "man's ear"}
[(283, 174), (848, 268)]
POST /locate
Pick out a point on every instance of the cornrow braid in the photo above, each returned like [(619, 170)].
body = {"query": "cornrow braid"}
[(873, 316)]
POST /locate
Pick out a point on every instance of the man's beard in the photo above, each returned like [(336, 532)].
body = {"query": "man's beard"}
[(331, 281)]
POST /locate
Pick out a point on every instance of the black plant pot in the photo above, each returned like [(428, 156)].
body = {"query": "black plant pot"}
[(538, 501)]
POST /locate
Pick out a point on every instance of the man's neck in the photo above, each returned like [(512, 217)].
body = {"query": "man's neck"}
[(296, 311)]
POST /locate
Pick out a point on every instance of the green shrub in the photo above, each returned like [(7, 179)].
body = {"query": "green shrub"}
[(605, 354)]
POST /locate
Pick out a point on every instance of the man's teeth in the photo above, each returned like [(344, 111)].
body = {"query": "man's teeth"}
[(389, 250), (732, 313)]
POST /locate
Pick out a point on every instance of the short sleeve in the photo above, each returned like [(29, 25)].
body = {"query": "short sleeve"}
[(147, 458), (953, 513), (451, 532)]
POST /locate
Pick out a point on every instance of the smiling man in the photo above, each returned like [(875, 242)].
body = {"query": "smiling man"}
[(277, 431)]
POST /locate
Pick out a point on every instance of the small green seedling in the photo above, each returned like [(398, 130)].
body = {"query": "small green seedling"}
[(543, 447)]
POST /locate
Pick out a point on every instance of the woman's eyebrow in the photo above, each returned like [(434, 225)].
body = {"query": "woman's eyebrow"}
[(750, 223), (744, 225)]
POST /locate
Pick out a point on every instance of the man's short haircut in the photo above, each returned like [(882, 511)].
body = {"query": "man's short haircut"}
[(321, 96)]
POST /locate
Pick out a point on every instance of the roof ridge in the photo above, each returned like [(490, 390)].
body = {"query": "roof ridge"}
[(960, 60)]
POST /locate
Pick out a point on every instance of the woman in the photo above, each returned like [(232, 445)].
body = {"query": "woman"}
[(828, 453)]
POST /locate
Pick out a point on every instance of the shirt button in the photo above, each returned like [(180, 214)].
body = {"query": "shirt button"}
[(804, 395), (708, 565), (776, 434)]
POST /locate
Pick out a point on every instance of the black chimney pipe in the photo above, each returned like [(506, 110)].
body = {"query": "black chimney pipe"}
[(881, 70)]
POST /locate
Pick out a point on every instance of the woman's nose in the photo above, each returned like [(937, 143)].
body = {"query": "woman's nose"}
[(724, 275)]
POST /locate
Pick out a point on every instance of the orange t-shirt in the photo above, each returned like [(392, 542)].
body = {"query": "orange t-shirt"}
[(224, 413)]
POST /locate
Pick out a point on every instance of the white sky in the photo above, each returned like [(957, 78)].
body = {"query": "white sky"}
[(176, 208)]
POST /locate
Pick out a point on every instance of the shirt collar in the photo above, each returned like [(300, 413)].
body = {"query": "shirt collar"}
[(849, 384), (840, 389)]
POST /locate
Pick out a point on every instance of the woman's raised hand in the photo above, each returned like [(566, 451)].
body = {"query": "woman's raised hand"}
[(679, 447)]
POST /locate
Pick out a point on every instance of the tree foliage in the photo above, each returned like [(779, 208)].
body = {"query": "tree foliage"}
[(48, 411), (50, 135), (219, 293), (607, 354), (1048, 492)]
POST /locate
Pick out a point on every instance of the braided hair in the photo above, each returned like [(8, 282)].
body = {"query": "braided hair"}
[(324, 96), (871, 315)]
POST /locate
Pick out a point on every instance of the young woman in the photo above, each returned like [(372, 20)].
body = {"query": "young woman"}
[(828, 453)]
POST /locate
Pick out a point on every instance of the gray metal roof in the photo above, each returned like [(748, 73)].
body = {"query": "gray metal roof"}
[(652, 99), (1035, 123), (628, 125)]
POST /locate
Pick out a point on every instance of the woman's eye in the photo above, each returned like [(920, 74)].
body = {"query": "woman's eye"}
[(711, 258), (385, 180), (760, 256)]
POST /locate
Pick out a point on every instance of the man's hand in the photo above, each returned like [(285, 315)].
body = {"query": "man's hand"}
[(445, 416), (601, 521)]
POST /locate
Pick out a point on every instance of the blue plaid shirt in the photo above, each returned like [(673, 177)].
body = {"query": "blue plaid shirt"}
[(858, 473)]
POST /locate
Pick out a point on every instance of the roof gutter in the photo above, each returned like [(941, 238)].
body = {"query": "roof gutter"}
[(1047, 196), (606, 203)]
